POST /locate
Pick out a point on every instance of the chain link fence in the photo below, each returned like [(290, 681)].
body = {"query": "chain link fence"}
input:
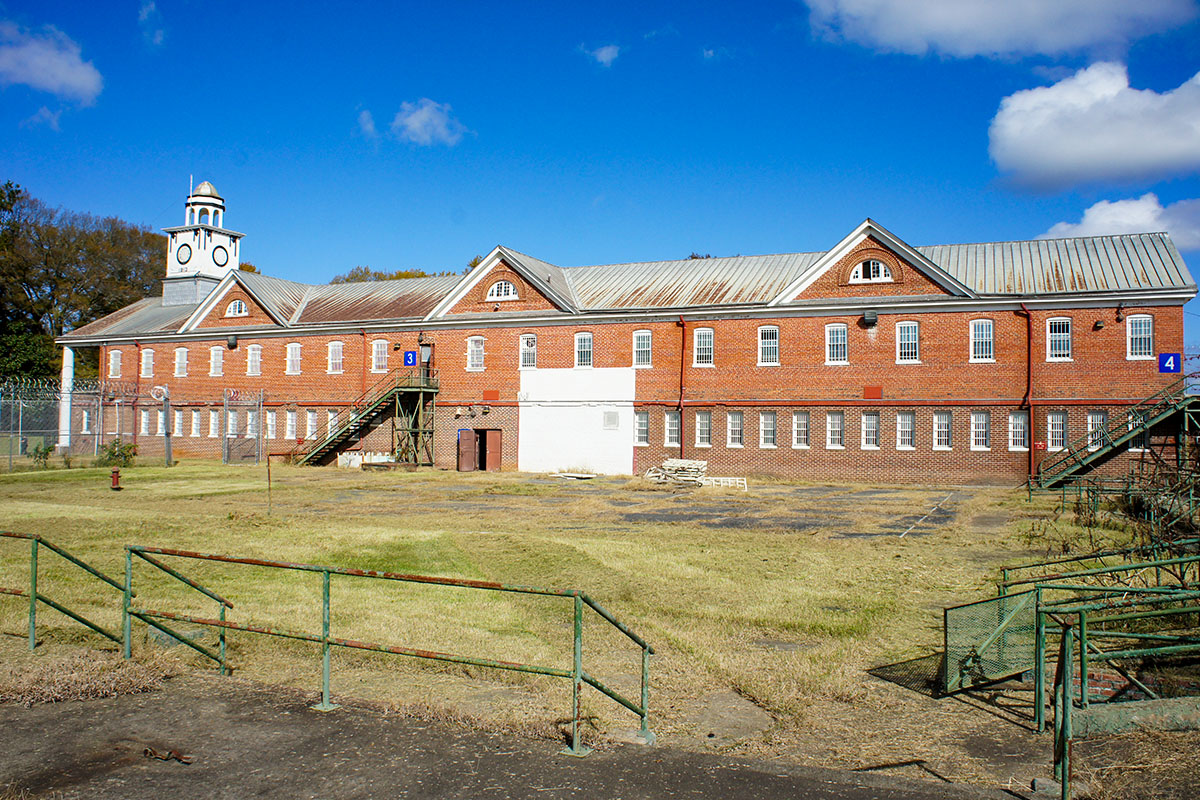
[(989, 640)]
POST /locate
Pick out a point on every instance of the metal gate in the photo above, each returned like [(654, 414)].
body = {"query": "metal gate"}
[(243, 440), (989, 640)]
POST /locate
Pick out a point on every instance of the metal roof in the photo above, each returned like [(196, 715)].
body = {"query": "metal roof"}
[(407, 298), (735, 280), (1125, 262), (142, 317), (280, 298)]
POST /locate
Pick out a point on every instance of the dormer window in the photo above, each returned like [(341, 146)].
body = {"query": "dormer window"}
[(502, 290), (236, 309), (871, 271)]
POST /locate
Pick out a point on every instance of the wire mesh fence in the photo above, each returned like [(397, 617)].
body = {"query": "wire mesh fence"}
[(989, 640)]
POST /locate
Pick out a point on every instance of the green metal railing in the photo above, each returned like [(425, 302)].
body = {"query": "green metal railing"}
[(1118, 430), (36, 543), (576, 674)]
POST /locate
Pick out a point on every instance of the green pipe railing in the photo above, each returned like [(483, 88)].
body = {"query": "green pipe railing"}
[(576, 674), (35, 544)]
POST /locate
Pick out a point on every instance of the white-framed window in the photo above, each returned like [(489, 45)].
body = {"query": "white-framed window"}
[(702, 347), (642, 352), (86, 422), (232, 425), (871, 271), (1097, 423), (502, 290), (292, 364), (216, 361), (735, 432), (981, 430), (269, 418), (289, 425), (333, 358), (703, 429), (177, 422), (310, 423), (583, 350), (836, 349), (379, 355), (1018, 430), (251, 423), (641, 428), (331, 420), (529, 351), (181, 354), (254, 359), (768, 429), (214, 423), (1141, 439), (906, 430), (908, 343), (1139, 337), (983, 341), (196, 422), (236, 309), (943, 430), (160, 423), (1058, 339), (144, 422), (800, 429), (114, 363), (1056, 430), (147, 363), (475, 354), (835, 430), (768, 346), (671, 428), (870, 430)]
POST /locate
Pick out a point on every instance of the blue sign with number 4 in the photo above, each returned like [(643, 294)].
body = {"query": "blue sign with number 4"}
[(410, 358), (1169, 362)]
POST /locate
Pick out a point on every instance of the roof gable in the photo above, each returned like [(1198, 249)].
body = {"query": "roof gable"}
[(913, 273), (539, 286)]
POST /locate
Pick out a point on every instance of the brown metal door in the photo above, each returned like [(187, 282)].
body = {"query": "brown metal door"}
[(493, 450), (467, 459)]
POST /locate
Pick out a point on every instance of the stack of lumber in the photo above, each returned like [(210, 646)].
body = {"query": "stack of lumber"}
[(682, 471)]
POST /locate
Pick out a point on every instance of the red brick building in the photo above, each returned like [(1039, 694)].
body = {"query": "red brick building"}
[(874, 359)]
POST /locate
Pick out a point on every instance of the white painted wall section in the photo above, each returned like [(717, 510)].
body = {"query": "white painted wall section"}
[(576, 419)]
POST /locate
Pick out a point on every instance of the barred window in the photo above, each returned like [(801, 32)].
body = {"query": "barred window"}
[(147, 363), (1018, 430), (702, 349), (983, 346), (216, 361), (196, 422), (641, 427), (943, 430), (181, 357), (254, 359), (671, 426), (114, 364), (529, 351), (642, 341), (703, 429), (1139, 337), (310, 424), (906, 430), (870, 430), (292, 366), (1097, 422), (767, 429), (502, 290), (733, 429), (1056, 430), (289, 425), (908, 350), (475, 354), (981, 430), (768, 346), (214, 423), (334, 364), (835, 429), (583, 350), (1058, 339), (379, 355), (800, 434), (835, 344)]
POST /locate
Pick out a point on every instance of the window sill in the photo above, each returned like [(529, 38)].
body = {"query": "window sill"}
[(736, 446), (768, 447), (870, 447), (702, 446), (1050, 360), (525, 369), (912, 447), (767, 364), (375, 371), (800, 447), (1139, 358), (285, 372), (180, 374), (837, 363), (981, 361), (704, 366), (980, 449), (253, 374), (941, 449), (672, 446), (333, 372), (918, 361), (641, 444), (473, 369), (835, 447), (643, 366), (588, 366), (1018, 449), (222, 375)]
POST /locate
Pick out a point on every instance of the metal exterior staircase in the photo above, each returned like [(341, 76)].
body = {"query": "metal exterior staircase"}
[(1119, 429), (366, 408)]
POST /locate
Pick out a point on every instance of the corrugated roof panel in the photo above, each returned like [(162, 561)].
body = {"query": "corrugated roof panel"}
[(281, 297), (144, 316), (375, 300)]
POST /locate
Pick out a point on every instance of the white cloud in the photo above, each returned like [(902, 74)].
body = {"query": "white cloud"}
[(48, 61), (1093, 127), (366, 124), (966, 28), (426, 123), (44, 116), (606, 55), (150, 20), (1137, 215)]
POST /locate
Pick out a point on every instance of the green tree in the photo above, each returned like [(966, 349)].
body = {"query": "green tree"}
[(246, 266), (363, 274)]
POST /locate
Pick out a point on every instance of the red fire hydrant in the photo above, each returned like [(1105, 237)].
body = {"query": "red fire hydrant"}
[(116, 479)]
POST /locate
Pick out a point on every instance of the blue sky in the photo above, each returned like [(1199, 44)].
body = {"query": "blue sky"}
[(419, 135)]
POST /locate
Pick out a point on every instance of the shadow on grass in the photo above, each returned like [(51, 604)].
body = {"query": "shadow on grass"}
[(922, 675)]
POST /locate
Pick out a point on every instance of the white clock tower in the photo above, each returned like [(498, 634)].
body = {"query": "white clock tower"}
[(200, 252)]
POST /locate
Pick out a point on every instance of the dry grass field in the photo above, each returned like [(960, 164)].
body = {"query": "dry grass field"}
[(770, 609)]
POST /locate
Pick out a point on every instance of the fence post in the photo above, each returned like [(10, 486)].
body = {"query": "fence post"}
[(1039, 663), (325, 705), (126, 627), (577, 748), (1083, 660), (645, 734), (33, 592), (221, 635)]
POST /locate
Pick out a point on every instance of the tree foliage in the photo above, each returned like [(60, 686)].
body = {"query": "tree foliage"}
[(61, 269), (363, 274)]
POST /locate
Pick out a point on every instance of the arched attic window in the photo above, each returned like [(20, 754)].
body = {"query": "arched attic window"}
[(871, 271), (502, 290), (236, 309)]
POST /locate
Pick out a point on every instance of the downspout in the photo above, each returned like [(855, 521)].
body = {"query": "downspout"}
[(682, 352), (1028, 401), (137, 390), (365, 356)]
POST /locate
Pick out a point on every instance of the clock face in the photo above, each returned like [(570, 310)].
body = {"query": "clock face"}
[(184, 254), (220, 256)]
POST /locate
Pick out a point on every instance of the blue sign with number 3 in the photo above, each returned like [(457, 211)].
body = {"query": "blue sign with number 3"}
[(410, 358), (1169, 362)]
